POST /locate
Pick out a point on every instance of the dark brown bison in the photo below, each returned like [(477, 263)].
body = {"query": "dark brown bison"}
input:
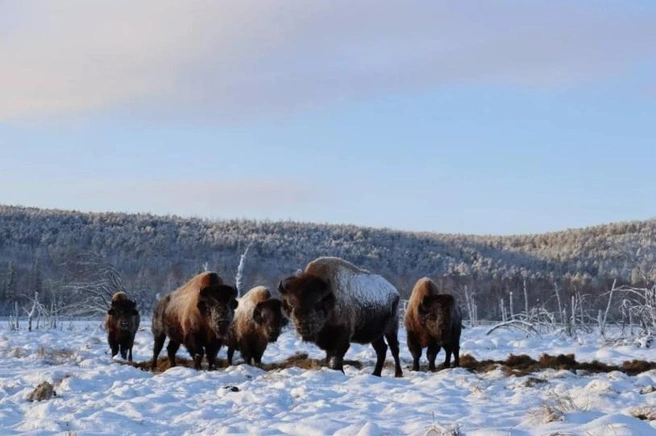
[(258, 321), (198, 315), (333, 303), (432, 320), (121, 324)]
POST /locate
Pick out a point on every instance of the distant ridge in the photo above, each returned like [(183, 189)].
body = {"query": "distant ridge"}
[(156, 253)]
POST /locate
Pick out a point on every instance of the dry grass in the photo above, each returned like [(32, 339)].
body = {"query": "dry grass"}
[(634, 367), (544, 414), (522, 365), (43, 392), (298, 360), (163, 364), (56, 356), (516, 365), (647, 390), (645, 413)]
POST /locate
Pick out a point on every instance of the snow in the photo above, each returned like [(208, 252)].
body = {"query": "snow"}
[(97, 395), (365, 289)]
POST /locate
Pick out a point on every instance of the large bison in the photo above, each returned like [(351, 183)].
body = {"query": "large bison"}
[(333, 303), (121, 324), (198, 314), (432, 320), (258, 321)]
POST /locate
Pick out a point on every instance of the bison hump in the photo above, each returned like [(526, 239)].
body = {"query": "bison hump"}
[(364, 289)]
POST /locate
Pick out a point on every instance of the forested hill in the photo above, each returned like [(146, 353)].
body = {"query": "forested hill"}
[(52, 250)]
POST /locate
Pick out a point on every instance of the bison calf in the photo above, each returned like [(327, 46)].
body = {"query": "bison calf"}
[(198, 314), (432, 320), (121, 324), (258, 321), (333, 303)]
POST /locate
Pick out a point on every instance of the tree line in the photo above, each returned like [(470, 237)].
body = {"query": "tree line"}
[(75, 260)]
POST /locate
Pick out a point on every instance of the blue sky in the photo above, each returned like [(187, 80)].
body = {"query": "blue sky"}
[(471, 117)]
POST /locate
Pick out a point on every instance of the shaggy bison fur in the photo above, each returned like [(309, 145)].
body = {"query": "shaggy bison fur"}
[(333, 303), (121, 323), (258, 321), (432, 320), (198, 315)]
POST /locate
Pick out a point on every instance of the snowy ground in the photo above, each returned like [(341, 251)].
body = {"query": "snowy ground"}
[(96, 395)]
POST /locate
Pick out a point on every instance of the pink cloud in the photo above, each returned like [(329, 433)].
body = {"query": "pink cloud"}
[(226, 59)]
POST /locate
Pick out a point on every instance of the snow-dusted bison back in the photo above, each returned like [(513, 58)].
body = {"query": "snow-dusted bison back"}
[(333, 303)]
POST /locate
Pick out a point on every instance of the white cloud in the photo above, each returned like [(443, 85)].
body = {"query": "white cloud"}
[(186, 198), (234, 59)]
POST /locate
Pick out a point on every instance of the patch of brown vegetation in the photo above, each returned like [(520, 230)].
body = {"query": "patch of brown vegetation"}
[(647, 390), (644, 413), (470, 363), (44, 391), (301, 360), (635, 367), (163, 364), (516, 365), (298, 360), (521, 365), (532, 381), (55, 356)]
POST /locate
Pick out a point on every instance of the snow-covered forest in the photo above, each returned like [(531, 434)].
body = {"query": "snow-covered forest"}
[(73, 261)]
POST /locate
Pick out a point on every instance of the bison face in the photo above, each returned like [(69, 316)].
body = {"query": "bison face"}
[(268, 315), (308, 302), (125, 314), (435, 312), (217, 303)]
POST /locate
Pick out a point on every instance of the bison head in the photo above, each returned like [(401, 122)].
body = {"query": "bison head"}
[(435, 312), (217, 303), (268, 315), (124, 313), (308, 301)]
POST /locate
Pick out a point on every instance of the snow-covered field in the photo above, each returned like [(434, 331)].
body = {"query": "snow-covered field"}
[(96, 395)]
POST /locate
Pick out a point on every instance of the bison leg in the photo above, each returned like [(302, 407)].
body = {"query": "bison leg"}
[(415, 349), (198, 359), (231, 353), (246, 353), (447, 358), (124, 351), (431, 354), (329, 356), (212, 351), (257, 357), (115, 348), (159, 343), (381, 349), (456, 356), (393, 342), (339, 351), (130, 344), (171, 349)]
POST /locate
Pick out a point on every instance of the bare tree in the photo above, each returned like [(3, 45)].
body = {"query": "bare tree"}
[(239, 278), (90, 292)]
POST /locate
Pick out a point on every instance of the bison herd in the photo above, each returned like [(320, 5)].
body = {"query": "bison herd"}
[(332, 303)]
